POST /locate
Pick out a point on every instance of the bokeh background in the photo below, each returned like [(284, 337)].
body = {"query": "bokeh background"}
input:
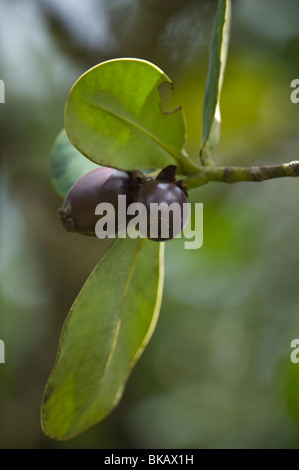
[(217, 372)]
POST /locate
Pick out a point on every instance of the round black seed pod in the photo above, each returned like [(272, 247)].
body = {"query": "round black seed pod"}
[(77, 213), (157, 192)]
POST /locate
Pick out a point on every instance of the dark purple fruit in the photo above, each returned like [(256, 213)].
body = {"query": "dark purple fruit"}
[(101, 185), (165, 223)]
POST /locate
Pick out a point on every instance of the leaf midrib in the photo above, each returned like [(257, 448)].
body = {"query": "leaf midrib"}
[(141, 129), (121, 307), (118, 323)]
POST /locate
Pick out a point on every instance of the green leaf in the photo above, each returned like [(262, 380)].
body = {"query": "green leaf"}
[(113, 116), (67, 165), (106, 331), (211, 120)]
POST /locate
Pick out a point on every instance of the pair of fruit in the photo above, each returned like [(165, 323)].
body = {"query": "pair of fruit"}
[(104, 185)]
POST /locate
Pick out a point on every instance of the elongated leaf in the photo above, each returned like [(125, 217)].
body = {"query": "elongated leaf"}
[(113, 117), (67, 165), (104, 334), (218, 53)]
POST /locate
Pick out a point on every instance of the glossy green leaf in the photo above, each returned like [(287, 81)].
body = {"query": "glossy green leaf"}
[(67, 165), (113, 116), (211, 119), (104, 334)]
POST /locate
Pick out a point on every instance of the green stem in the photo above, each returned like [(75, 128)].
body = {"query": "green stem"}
[(186, 166), (232, 174), (206, 158)]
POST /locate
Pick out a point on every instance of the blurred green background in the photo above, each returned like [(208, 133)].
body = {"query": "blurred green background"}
[(217, 372)]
